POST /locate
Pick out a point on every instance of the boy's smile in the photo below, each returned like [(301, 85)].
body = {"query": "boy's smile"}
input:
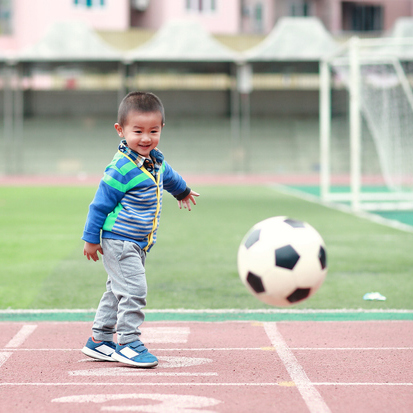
[(142, 131)]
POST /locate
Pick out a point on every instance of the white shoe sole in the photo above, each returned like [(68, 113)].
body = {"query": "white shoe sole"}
[(121, 359), (95, 355)]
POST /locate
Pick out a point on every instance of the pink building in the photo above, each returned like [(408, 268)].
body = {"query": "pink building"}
[(24, 22), (357, 16), (217, 16), (260, 16)]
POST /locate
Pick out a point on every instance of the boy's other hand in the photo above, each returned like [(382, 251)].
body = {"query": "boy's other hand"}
[(91, 251), (186, 202)]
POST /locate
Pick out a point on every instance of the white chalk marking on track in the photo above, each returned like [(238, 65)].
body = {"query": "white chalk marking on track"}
[(168, 362), (311, 396), (4, 357), (122, 371), (21, 336), (166, 335), (169, 402), (179, 362)]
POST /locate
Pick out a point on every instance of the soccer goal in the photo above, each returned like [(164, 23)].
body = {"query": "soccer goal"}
[(366, 124)]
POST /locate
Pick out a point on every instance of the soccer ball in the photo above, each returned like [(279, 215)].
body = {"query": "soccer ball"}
[(282, 261)]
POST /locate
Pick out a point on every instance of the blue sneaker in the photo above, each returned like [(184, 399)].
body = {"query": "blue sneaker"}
[(100, 351), (135, 354)]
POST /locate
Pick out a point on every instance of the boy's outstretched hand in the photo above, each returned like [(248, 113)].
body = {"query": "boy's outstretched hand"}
[(186, 202), (91, 251)]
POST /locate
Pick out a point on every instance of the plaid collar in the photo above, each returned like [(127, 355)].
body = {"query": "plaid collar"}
[(152, 164)]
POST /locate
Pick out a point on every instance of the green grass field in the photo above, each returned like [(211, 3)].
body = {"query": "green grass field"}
[(193, 264)]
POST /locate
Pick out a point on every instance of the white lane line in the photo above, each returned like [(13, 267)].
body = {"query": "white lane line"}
[(122, 371), (21, 336), (310, 395), (159, 349), (4, 357), (156, 383), (349, 348), (242, 349), (362, 384)]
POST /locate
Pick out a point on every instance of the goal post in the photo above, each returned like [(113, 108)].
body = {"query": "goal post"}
[(376, 77)]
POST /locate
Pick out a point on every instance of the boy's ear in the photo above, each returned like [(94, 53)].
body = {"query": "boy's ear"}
[(119, 130)]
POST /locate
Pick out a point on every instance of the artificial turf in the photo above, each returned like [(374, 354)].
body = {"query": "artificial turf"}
[(193, 265)]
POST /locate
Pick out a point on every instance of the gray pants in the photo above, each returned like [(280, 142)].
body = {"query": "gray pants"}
[(120, 308)]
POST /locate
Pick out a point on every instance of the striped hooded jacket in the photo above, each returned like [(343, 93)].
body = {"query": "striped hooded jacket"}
[(128, 201)]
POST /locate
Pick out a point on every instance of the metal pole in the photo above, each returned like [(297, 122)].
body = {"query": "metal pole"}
[(8, 119), (325, 129), (244, 86), (18, 120), (235, 116), (355, 124), (403, 81), (122, 73), (245, 129)]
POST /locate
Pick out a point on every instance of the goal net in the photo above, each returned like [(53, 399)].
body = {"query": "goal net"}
[(366, 124)]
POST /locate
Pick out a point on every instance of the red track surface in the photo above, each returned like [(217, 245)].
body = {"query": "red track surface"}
[(214, 367), (204, 179)]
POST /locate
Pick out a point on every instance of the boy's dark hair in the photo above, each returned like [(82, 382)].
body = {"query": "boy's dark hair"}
[(139, 102)]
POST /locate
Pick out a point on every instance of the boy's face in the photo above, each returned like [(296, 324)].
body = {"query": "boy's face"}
[(142, 131)]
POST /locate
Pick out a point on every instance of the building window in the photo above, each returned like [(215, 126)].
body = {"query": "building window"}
[(258, 18), (5, 17), (300, 9), (361, 17), (201, 6), (89, 3)]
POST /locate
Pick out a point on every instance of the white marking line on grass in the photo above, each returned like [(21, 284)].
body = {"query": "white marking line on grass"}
[(344, 208), (4, 357), (21, 336), (310, 395)]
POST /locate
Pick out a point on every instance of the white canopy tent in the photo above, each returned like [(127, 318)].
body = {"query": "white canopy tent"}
[(70, 41), (65, 43), (294, 39), (182, 41), (182, 48), (184, 53), (403, 27), (295, 46)]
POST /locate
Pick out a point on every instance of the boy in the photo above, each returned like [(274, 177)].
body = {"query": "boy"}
[(126, 209)]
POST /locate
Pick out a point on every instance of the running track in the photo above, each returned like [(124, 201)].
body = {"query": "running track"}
[(222, 366)]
